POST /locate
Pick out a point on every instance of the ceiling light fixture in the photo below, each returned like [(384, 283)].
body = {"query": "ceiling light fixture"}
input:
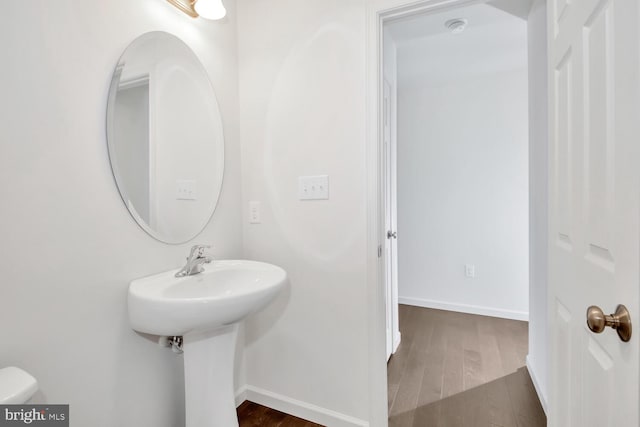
[(456, 26), (207, 9)]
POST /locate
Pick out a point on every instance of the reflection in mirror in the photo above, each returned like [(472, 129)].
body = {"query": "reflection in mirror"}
[(165, 137)]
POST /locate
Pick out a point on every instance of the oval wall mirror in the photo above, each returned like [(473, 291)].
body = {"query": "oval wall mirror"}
[(165, 137)]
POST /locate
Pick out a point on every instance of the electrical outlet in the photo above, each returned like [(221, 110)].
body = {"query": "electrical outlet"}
[(470, 270)]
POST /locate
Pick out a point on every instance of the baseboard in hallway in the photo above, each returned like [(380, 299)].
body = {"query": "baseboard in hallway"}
[(461, 369), (466, 308)]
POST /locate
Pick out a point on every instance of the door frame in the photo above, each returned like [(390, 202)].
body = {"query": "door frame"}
[(390, 249), (378, 12)]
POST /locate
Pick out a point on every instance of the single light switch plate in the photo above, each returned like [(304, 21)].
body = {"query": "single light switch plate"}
[(254, 213), (313, 187), (186, 189), (470, 270)]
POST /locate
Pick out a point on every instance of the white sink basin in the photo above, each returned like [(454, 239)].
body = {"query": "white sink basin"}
[(225, 293), (204, 309)]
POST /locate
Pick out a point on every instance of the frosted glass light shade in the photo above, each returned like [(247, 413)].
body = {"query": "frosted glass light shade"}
[(210, 9)]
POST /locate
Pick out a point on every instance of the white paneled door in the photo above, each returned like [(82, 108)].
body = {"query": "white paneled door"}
[(594, 209)]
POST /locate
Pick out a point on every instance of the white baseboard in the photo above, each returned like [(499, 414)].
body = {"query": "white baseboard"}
[(466, 308), (296, 408), (241, 395), (536, 384)]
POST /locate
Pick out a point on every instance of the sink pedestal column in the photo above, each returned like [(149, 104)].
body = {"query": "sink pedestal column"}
[(208, 375)]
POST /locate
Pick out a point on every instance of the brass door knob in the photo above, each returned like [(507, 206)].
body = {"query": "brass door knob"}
[(597, 321)]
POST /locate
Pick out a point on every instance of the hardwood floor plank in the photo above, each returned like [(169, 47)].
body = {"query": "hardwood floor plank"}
[(491, 360), (499, 408), (412, 375), (433, 373), (528, 412), (453, 382), (392, 391), (427, 415), (473, 404), (473, 372), (398, 361), (512, 349), (451, 413), (472, 369)]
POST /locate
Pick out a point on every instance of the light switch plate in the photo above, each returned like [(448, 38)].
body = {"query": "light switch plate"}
[(470, 270), (186, 189), (254, 212), (313, 187)]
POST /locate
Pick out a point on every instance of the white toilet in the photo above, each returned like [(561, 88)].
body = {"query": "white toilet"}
[(16, 386)]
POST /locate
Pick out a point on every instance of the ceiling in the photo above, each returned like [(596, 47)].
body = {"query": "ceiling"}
[(494, 41), (429, 24), (519, 8), (426, 25)]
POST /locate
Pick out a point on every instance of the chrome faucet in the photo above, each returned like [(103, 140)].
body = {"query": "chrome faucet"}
[(194, 261)]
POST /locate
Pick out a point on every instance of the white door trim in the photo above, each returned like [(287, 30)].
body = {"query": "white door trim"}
[(387, 252), (379, 11)]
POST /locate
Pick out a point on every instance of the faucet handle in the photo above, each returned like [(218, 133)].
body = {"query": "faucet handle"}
[(198, 250)]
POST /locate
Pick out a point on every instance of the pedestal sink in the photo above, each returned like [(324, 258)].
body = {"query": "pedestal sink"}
[(205, 310)]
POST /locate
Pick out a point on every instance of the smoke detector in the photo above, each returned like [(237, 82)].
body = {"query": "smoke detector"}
[(457, 25)]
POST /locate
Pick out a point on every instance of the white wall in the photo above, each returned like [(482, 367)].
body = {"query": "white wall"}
[(302, 69), (69, 246), (537, 360), (462, 177)]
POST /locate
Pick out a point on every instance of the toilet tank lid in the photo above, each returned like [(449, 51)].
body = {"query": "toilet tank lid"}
[(16, 386)]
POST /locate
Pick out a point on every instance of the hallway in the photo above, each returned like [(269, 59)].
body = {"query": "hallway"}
[(454, 369)]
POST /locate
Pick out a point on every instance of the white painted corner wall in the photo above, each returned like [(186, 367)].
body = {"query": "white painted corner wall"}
[(462, 190), (69, 246), (303, 113), (537, 360)]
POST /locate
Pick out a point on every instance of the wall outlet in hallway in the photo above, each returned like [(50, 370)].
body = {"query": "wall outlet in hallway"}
[(470, 270)]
